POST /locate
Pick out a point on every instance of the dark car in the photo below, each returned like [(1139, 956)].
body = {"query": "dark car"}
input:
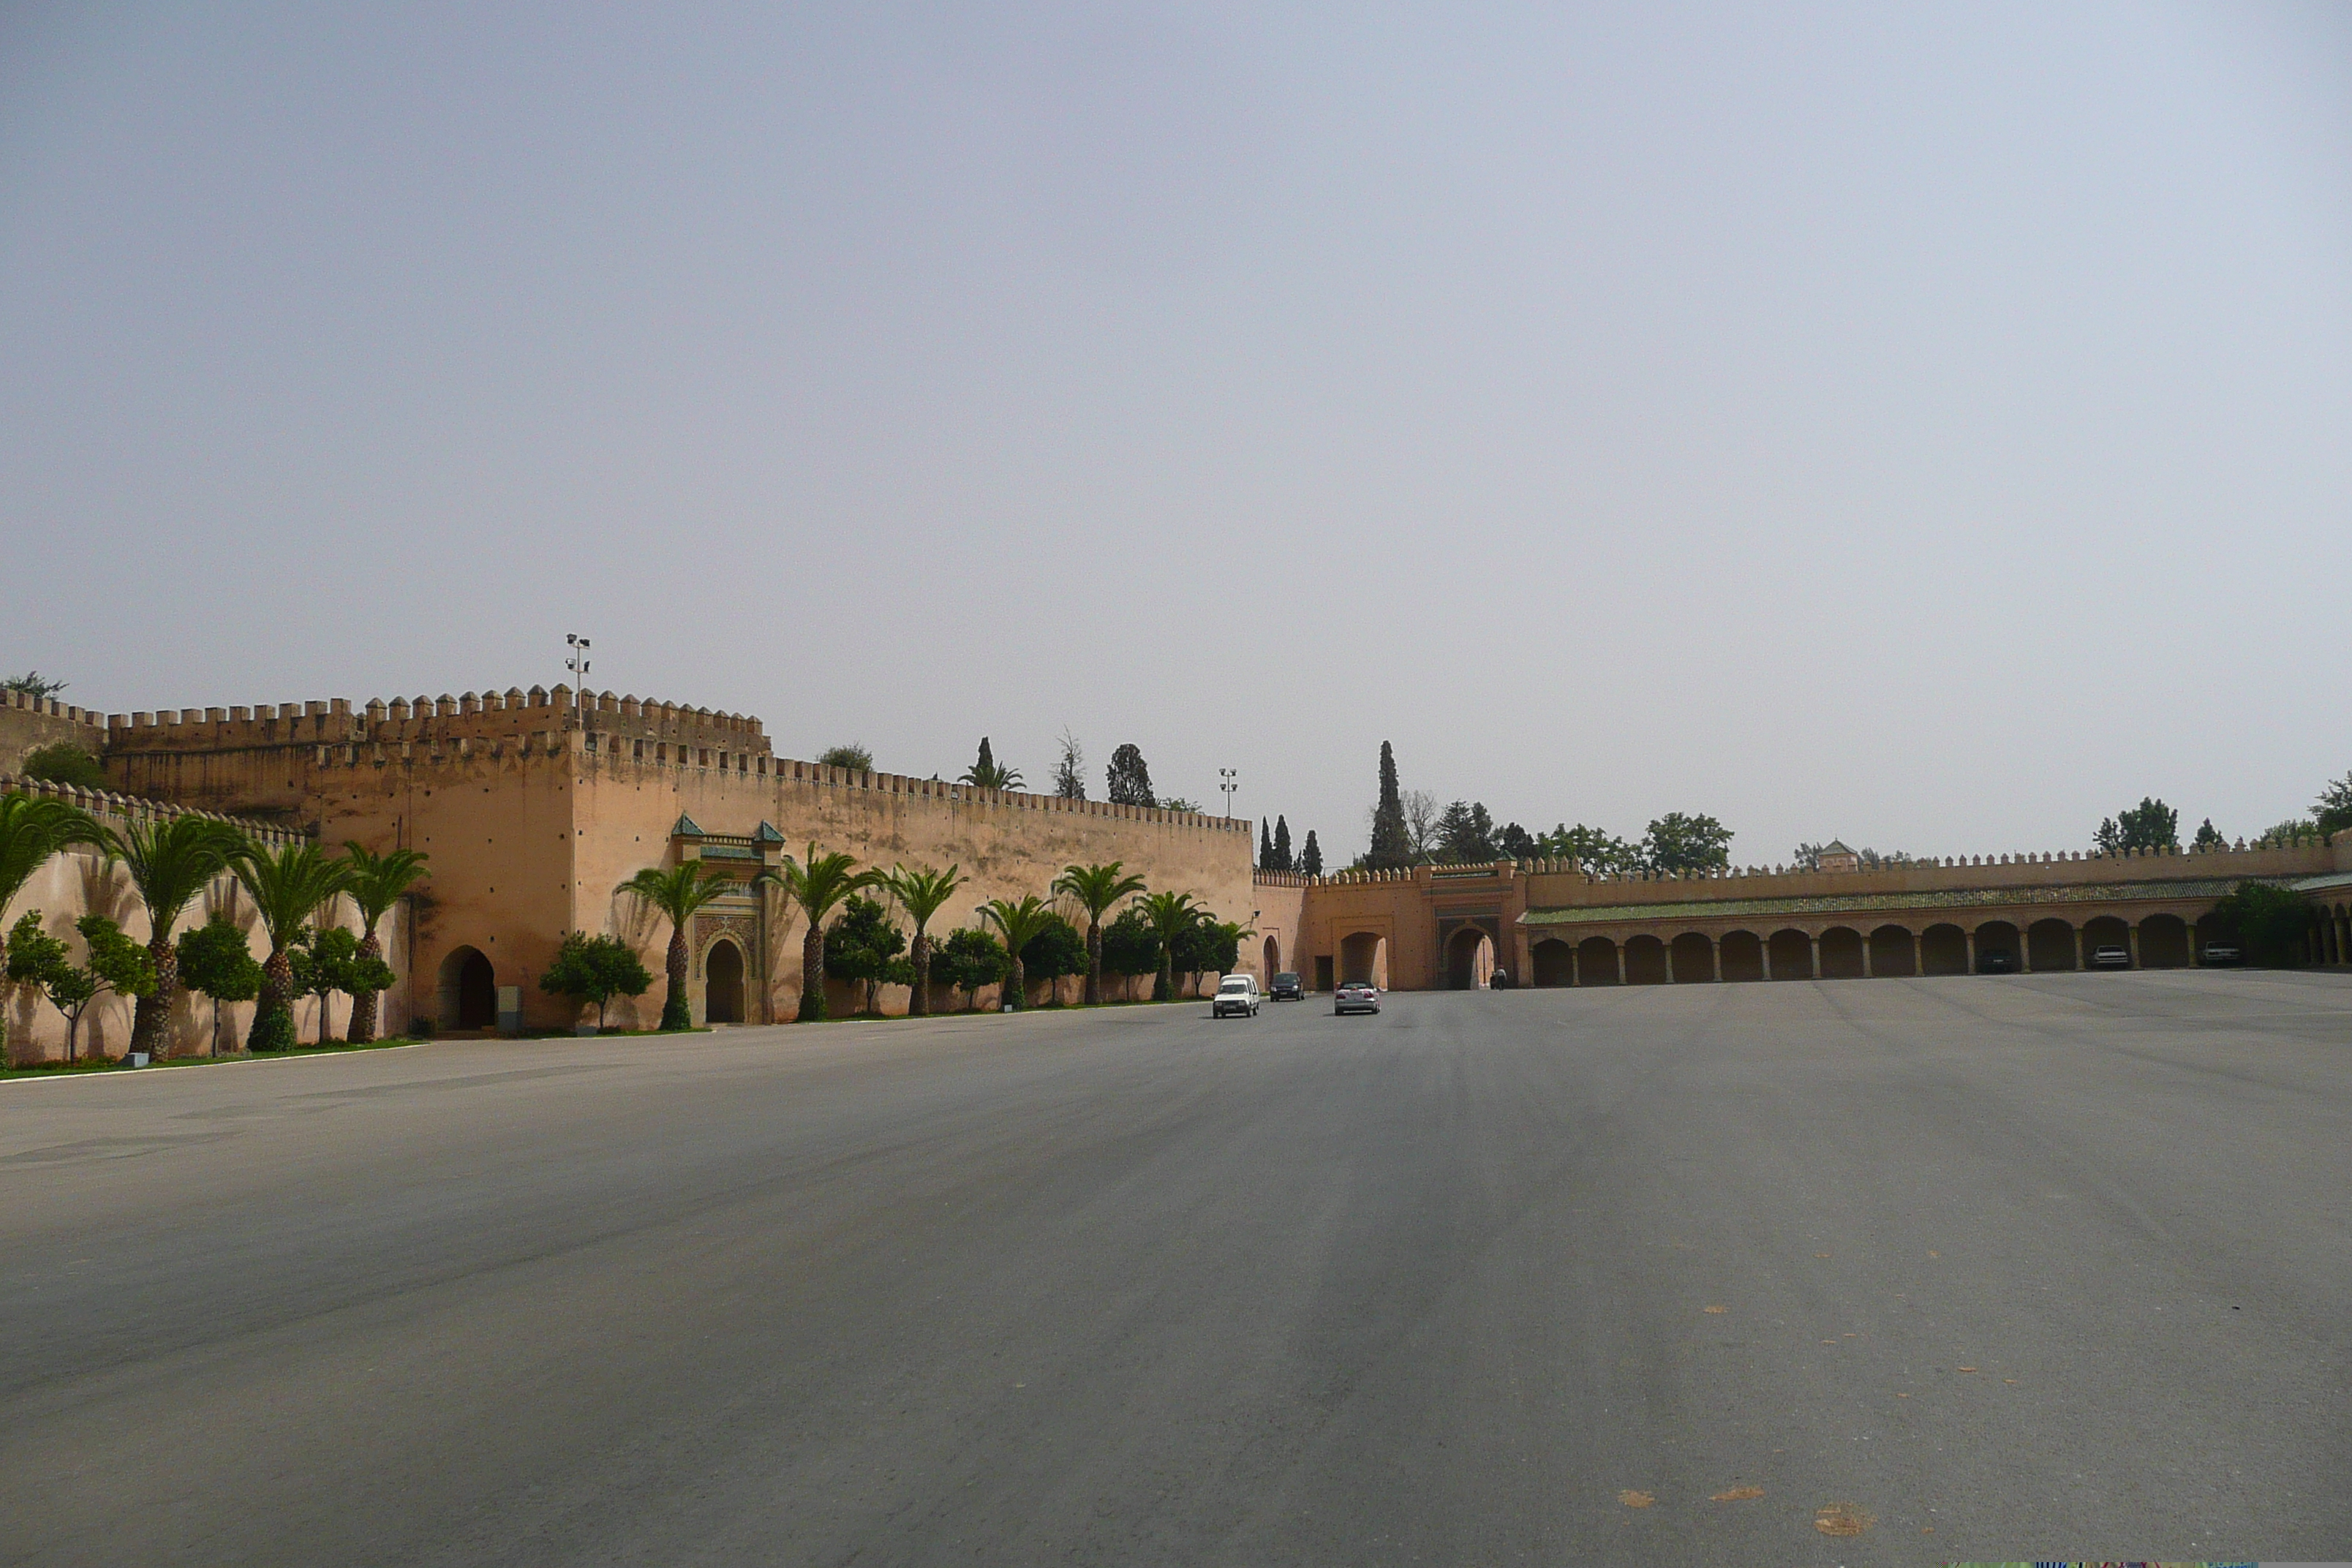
[(2110, 957), (1996, 960), (1356, 996), (1286, 988)]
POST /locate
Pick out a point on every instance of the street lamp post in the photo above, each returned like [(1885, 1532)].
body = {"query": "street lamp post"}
[(1229, 780)]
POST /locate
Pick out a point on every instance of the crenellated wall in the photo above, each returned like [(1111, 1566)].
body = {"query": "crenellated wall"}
[(28, 723)]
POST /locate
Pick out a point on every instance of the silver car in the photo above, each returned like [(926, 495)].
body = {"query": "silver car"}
[(1356, 996)]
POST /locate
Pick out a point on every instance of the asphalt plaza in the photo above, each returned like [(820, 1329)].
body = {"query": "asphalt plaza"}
[(1889, 1272)]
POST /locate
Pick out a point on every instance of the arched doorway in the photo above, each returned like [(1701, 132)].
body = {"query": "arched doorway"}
[(1273, 958), (1890, 952), (1645, 961), (2051, 945), (1944, 950), (1469, 958), (2104, 930), (2163, 942), (1793, 955), (1554, 960), (1999, 949), (1743, 955), (1694, 957), (722, 983), (469, 991), (1596, 961), (1841, 953), (1363, 956)]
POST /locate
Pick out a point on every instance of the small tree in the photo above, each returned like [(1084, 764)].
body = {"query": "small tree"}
[(1070, 774), (1130, 947), (2333, 813), (170, 860), (289, 887), (2271, 920), (2207, 839), (1096, 889), (330, 960), (1057, 950), (2151, 824), (33, 684), (678, 893), (921, 892), (2294, 830), (62, 762), (987, 773), (1170, 916), (1207, 946), (862, 944), (31, 831), (969, 959), (854, 757), (217, 961), (1129, 778), (1311, 859), (116, 964), (596, 969), (817, 884), (375, 882), (1017, 924)]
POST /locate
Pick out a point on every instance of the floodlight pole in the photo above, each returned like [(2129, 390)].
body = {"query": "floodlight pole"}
[(1229, 780)]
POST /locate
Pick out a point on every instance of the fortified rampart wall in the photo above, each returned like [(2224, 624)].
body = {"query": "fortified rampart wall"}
[(81, 881), (28, 723)]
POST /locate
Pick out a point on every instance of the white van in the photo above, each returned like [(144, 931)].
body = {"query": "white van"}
[(1237, 994)]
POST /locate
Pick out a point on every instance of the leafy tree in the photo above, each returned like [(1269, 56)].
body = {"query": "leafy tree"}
[(1516, 842), (1070, 774), (289, 887), (2207, 839), (33, 684), (327, 960), (921, 893), (31, 831), (1180, 803), (2333, 813), (817, 884), (854, 757), (678, 893), (1465, 834), (1096, 889), (970, 959), (217, 961), (596, 969), (1057, 950), (170, 860), (1597, 851), (1681, 844), (2151, 824), (1129, 778), (1389, 847), (63, 762), (1170, 915), (862, 943), (1311, 859), (1130, 946), (2272, 921), (1282, 858), (375, 882), (988, 773), (116, 964), (1019, 924), (2294, 830), (1208, 946)]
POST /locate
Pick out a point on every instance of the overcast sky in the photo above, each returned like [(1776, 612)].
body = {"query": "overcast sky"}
[(1933, 429)]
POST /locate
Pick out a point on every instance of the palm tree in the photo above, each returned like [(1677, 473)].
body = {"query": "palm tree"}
[(921, 893), (988, 774), (678, 893), (1019, 924), (375, 883), (817, 884), (31, 830), (1098, 887), (170, 862), (289, 889), (1172, 915)]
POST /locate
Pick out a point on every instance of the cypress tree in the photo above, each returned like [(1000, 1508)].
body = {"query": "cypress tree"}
[(1264, 848), (1389, 847), (1311, 859), (1281, 845)]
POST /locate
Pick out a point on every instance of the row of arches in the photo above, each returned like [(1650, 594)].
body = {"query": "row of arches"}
[(1842, 952)]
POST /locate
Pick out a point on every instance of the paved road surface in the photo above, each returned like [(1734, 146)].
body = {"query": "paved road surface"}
[(2047, 1266)]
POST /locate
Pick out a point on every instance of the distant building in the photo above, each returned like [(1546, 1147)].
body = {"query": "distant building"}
[(1837, 856)]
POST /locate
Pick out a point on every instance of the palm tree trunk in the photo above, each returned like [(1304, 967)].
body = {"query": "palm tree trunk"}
[(1094, 963), (1163, 984), (276, 1004), (918, 1002), (1020, 984), (153, 1015), (677, 1013), (813, 973), (362, 1028)]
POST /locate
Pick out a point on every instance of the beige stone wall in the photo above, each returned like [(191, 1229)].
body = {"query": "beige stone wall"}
[(27, 724), (81, 881)]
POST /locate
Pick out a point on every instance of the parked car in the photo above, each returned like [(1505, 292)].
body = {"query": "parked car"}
[(1996, 960), (1356, 996), (2224, 954), (1237, 996), (1287, 988), (2110, 957)]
